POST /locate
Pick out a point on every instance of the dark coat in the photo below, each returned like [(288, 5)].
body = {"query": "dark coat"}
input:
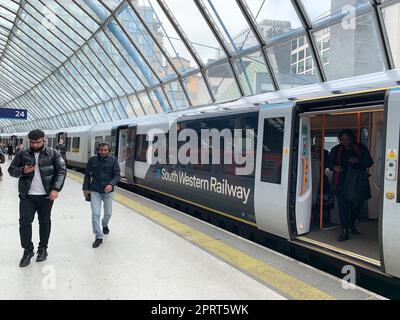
[(62, 149), (352, 171), (52, 170), (10, 149), (101, 172)]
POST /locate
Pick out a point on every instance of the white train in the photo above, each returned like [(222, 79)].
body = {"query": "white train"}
[(280, 194)]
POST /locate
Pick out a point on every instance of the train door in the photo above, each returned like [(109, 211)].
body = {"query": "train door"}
[(391, 187), (60, 135), (130, 154), (121, 147), (272, 168), (304, 192)]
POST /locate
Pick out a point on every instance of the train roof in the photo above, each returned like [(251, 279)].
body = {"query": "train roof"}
[(365, 83)]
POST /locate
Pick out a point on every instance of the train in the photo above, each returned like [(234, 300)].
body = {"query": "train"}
[(279, 194)]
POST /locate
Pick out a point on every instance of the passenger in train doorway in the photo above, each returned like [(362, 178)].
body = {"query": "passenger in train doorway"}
[(10, 150), (41, 172), (101, 176), (349, 162), (2, 160), (316, 169), (60, 147)]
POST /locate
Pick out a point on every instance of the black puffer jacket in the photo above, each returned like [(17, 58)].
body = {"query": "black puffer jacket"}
[(52, 170)]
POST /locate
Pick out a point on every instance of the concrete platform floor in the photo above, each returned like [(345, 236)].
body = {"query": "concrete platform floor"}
[(154, 252)]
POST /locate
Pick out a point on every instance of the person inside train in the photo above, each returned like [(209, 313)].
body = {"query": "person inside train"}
[(316, 163), (101, 176), (2, 160), (349, 162), (41, 171), (10, 150), (62, 149)]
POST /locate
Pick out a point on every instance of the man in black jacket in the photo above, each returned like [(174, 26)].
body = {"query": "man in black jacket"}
[(101, 176), (345, 158), (41, 171)]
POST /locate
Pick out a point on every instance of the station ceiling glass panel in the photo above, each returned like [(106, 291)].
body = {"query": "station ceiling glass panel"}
[(80, 62)]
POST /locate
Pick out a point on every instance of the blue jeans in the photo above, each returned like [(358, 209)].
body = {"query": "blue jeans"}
[(96, 199)]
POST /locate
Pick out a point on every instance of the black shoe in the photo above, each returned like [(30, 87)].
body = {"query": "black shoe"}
[(26, 258), (106, 230), (97, 243), (344, 235), (354, 230), (41, 255)]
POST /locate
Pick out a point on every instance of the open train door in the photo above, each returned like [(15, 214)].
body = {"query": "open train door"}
[(61, 135), (272, 168), (390, 222), (123, 148), (304, 180), (130, 153)]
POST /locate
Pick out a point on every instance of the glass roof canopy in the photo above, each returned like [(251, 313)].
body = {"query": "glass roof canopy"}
[(78, 62)]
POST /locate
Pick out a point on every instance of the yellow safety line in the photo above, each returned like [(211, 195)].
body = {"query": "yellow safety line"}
[(260, 270)]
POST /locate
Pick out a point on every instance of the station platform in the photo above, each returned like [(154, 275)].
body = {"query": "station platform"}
[(152, 252)]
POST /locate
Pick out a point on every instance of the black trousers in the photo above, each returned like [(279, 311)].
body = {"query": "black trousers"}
[(28, 206), (1, 172), (348, 214)]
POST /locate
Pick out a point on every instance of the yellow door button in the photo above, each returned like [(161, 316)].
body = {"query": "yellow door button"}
[(390, 195)]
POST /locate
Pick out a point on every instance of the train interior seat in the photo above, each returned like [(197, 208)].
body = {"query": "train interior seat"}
[(365, 245)]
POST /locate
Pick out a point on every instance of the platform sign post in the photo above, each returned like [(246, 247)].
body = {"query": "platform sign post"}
[(17, 114)]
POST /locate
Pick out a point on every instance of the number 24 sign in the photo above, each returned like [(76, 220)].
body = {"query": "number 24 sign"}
[(9, 113)]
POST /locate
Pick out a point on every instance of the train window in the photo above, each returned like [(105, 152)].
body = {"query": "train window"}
[(68, 144), (271, 167), (75, 144), (108, 139), (97, 140), (141, 148)]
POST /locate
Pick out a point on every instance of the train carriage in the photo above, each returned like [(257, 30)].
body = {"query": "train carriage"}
[(279, 195)]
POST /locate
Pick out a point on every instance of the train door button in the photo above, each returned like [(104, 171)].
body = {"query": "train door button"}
[(390, 195)]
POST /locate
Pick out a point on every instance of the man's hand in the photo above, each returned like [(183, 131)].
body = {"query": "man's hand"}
[(108, 188), (353, 160), (29, 169), (53, 195), (86, 193), (338, 169)]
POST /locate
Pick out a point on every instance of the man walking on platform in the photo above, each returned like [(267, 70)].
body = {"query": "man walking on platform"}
[(101, 176), (41, 171)]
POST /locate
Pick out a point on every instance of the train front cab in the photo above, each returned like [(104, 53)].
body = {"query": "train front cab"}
[(374, 117)]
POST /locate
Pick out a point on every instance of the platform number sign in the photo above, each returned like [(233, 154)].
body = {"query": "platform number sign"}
[(18, 114)]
